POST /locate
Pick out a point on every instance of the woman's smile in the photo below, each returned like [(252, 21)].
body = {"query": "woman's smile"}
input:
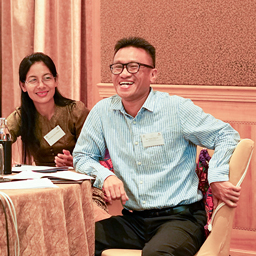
[(42, 94)]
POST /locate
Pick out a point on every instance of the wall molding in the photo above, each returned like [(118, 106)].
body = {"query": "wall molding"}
[(240, 122), (196, 92), (234, 104)]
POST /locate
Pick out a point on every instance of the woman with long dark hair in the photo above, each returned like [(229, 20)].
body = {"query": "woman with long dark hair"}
[(48, 123)]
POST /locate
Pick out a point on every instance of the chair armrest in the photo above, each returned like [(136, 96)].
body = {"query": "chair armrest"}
[(218, 242)]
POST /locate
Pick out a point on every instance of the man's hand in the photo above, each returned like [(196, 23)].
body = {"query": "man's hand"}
[(225, 191), (65, 159), (114, 189)]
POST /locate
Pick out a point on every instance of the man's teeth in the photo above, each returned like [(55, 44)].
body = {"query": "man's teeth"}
[(126, 83)]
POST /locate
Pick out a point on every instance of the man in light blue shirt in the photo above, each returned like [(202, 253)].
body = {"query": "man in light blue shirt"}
[(152, 139)]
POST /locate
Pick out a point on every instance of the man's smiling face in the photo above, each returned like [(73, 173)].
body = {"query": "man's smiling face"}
[(133, 87)]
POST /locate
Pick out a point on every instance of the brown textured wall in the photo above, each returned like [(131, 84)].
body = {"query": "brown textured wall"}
[(207, 42)]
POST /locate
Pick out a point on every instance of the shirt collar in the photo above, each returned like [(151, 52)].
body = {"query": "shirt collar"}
[(116, 103), (150, 102)]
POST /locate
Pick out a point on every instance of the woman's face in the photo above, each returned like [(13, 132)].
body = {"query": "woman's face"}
[(40, 84)]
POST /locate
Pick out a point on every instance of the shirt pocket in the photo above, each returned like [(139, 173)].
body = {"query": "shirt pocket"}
[(171, 151), (163, 154)]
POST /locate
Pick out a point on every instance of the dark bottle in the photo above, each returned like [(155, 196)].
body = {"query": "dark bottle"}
[(5, 140)]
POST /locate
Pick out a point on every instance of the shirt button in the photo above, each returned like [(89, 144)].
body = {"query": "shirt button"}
[(136, 142), (134, 122), (141, 182), (139, 163), (144, 202)]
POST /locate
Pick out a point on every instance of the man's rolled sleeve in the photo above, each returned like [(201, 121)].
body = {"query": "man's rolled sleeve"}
[(205, 130)]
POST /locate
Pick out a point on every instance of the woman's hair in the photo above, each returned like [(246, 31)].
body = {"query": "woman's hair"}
[(28, 110)]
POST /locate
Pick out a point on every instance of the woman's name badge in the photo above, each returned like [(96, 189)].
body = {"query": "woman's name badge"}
[(152, 139), (54, 135)]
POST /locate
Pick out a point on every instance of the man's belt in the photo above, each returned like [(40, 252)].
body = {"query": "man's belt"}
[(169, 211)]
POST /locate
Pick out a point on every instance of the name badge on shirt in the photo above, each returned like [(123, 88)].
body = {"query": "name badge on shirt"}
[(54, 135), (152, 139)]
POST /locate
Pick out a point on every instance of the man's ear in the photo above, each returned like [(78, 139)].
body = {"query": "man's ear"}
[(153, 75), (22, 86)]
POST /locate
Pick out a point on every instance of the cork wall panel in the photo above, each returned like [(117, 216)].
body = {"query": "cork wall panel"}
[(197, 42)]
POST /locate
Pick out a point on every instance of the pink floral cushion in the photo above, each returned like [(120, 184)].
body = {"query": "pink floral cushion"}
[(106, 162), (202, 172)]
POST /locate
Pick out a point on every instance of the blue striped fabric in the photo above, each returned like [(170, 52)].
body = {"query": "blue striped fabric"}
[(157, 176)]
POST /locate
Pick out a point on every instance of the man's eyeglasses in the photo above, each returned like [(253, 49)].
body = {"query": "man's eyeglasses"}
[(131, 67), (47, 79)]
